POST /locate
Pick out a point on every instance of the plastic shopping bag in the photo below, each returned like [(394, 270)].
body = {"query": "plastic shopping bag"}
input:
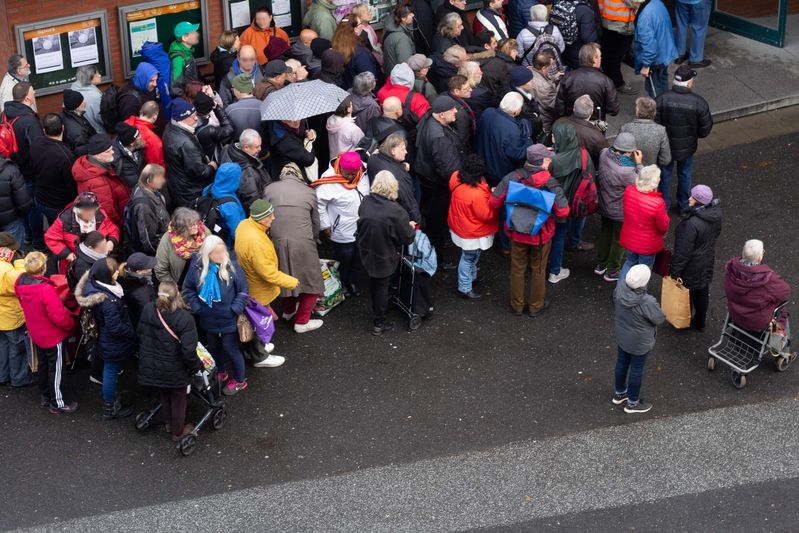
[(262, 319), (205, 356), (334, 294)]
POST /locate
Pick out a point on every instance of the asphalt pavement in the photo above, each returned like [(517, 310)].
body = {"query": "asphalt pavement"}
[(473, 380)]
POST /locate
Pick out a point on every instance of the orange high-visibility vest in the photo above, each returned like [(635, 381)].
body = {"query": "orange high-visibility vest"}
[(616, 10)]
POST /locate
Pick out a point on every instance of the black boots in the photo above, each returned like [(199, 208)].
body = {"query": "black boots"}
[(116, 410)]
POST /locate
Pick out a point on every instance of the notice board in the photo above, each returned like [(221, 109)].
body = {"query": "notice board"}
[(238, 14), (155, 22), (55, 49)]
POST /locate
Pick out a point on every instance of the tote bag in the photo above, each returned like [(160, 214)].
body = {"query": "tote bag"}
[(675, 300), (261, 318)]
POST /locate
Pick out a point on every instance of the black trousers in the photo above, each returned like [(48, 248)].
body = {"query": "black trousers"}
[(378, 290), (614, 47), (51, 368), (435, 207), (350, 269), (173, 406), (700, 301)]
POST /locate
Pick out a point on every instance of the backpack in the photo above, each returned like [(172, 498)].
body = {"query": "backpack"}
[(109, 106), (208, 208), (564, 16), (522, 194), (586, 197), (544, 40), (189, 73), (8, 139)]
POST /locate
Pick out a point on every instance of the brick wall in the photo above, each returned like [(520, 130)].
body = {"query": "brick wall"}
[(27, 11)]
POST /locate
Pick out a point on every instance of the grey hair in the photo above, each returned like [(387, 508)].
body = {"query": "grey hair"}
[(469, 71), (248, 137), (85, 74), (648, 179), (511, 103), (451, 54), (539, 12), (447, 24), (753, 251), (385, 185), (14, 61), (363, 83), (583, 107), (588, 53), (183, 219), (645, 108), (392, 142)]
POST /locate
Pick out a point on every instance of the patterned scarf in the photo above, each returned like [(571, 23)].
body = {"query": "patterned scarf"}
[(186, 247)]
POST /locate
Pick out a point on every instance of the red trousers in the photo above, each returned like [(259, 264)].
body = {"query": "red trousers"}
[(302, 305)]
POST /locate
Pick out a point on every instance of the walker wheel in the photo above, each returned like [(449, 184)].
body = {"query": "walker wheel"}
[(142, 420), (415, 322), (188, 445), (783, 362), (711, 364), (219, 419), (738, 379)]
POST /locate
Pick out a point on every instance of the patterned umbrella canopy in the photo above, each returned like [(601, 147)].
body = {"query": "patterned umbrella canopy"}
[(301, 100)]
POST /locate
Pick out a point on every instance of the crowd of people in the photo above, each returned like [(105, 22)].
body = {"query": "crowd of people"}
[(166, 202)]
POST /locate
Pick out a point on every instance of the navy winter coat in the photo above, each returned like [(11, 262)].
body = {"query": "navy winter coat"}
[(518, 12), (222, 316), (116, 340), (501, 143)]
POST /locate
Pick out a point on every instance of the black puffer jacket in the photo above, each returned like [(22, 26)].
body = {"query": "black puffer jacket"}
[(594, 83), (438, 152), (26, 128), (128, 164), (146, 221), (214, 138), (695, 246), (186, 165), (254, 176), (77, 132), (383, 229), (139, 291), (686, 117), (14, 198), (407, 196), (165, 362)]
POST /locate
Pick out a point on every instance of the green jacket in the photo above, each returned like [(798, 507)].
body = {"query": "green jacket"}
[(320, 19), (178, 53)]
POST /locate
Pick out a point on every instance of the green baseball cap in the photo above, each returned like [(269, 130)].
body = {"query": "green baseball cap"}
[(185, 27)]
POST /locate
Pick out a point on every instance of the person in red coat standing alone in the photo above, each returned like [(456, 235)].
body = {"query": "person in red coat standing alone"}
[(646, 221), (95, 173)]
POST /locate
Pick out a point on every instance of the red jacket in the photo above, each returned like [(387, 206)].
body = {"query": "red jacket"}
[(645, 221), (753, 292), (62, 235), (419, 103), (48, 320), (112, 193), (470, 213), (153, 146)]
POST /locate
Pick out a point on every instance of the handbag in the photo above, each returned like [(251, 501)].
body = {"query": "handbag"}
[(662, 264), (675, 300), (312, 170), (262, 319), (246, 331)]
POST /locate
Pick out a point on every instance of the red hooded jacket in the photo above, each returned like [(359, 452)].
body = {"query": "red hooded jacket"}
[(112, 193), (645, 221), (62, 235), (48, 320), (153, 146), (419, 103), (753, 292)]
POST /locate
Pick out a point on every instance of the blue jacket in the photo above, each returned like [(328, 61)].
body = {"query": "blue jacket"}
[(654, 40), (226, 183), (518, 12), (222, 316), (362, 60), (116, 339), (154, 54), (501, 143)]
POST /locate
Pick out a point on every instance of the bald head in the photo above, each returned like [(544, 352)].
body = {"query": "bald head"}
[(392, 107), (247, 51), (306, 36)]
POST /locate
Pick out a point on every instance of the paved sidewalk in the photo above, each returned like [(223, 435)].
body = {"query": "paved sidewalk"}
[(746, 77)]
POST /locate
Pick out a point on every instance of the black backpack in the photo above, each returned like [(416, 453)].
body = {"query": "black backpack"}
[(109, 106), (208, 208)]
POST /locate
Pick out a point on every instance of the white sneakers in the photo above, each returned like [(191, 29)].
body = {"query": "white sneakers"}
[(563, 274), (272, 361), (310, 326), (289, 316)]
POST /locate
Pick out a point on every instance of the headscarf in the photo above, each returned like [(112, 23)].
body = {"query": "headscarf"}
[(209, 291), (184, 247), (102, 276), (567, 164)]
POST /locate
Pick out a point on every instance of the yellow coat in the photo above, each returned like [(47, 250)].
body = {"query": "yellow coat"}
[(11, 316), (257, 257)]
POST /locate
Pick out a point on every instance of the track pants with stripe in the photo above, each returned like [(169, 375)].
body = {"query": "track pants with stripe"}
[(51, 369)]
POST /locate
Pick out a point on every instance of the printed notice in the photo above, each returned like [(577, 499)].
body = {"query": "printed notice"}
[(83, 47), (142, 31), (284, 20), (240, 14), (281, 6), (47, 53)]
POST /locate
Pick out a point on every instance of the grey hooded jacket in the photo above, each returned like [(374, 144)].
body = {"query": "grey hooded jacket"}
[(637, 317)]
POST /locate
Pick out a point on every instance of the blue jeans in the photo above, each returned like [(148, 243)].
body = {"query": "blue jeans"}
[(467, 269), (658, 81), (630, 374), (573, 229), (227, 344), (110, 372), (635, 259), (14, 357), (684, 172), (17, 229), (695, 16)]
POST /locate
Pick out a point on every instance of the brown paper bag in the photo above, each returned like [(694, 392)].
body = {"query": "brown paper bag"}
[(675, 300)]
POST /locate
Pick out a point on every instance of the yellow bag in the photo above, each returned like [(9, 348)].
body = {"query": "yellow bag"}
[(675, 300)]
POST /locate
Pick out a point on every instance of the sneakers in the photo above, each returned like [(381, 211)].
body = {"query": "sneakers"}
[(288, 316), (471, 295), (269, 347), (611, 277), (222, 376), (626, 89), (68, 408), (233, 387), (563, 274), (640, 407), (379, 330), (619, 399), (273, 361), (310, 326), (116, 410), (599, 270)]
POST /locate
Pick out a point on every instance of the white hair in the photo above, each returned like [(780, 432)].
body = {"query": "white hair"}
[(248, 137), (210, 244), (753, 251), (679, 83), (648, 179), (511, 103), (385, 185), (539, 12), (583, 107)]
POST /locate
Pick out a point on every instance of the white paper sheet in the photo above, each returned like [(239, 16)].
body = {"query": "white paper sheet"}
[(142, 31), (284, 20), (47, 53), (83, 47), (281, 7), (240, 14)]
